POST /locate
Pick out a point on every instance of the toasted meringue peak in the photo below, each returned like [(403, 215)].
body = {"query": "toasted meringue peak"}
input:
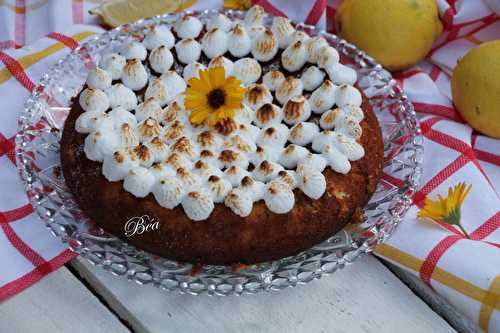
[(331, 118), (300, 35), (173, 112), (128, 135), (240, 202), (113, 63), (312, 182), (188, 50), (266, 171), (189, 179), (313, 47), (303, 133), (139, 181), (239, 43), (161, 170), (101, 143), (161, 59), (322, 139), (235, 174), (294, 56), (205, 170), (296, 110), (143, 155), (323, 98), (268, 115), (247, 70), (188, 27), (348, 146), (354, 111), (150, 108), (134, 75), (265, 46), (184, 146), (219, 21), (121, 96), (254, 16), (240, 143), (134, 50), (177, 161), (263, 153), (157, 89), (87, 121), (273, 79), (253, 187), (117, 165), (230, 157), (226, 126), (159, 34), (292, 154), (336, 160), (98, 79), (327, 57), (175, 84), (283, 30), (214, 43), (288, 177), (244, 115), (219, 188), (342, 74), (173, 132), (279, 197), (148, 129), (276, 135), (209, 139), (312, 78), (254, 31), (198, 205), (256, 95), (348, 95), (168, 192), (224, 62), (314, 161), (289, 88), (94, 100), (158, 149), (121, 116), (192, 70), (249, 131), (350, 127)]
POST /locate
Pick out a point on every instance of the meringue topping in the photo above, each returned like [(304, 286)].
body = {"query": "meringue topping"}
[(283, 30), (239, 43), (240, 202), (294, 56), (121, 96), (139, 181), (296, 110), (289, 88), (113, 64), (313, 47), (161, 59), (219, 21), (159, 35), (265, 46), (134, 50), (273, 79), (256, 95), (247, 70), (323, 98), (267, 115), (94, 100), (311, 78), (254, 16), (221, 61), (188, 27), (214, 43), (134, 75), (279, 197), (198, 205), (192, 70), (188, 50), (158, 89), (98, 79)]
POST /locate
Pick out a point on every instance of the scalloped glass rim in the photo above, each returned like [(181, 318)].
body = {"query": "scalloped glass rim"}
[(37, 154)]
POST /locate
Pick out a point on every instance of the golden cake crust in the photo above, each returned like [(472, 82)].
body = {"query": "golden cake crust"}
[(225, 238)]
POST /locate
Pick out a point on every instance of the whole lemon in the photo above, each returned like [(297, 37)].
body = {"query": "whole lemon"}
[(475, 88), (397, 33)]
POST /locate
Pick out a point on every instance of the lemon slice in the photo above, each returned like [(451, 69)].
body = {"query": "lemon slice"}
[(117, 12)]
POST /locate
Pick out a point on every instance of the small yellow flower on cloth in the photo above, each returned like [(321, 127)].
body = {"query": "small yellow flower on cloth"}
[(237, 4), (447, 209), (213, 98)]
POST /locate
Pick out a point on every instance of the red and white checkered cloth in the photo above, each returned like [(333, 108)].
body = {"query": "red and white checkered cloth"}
[(466, 272)]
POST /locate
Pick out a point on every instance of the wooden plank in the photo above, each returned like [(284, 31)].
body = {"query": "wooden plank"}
[(57, 303), (460, 322), (364, 297)]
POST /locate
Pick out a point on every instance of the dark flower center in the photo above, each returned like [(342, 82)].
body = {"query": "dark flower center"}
[(216, 98)]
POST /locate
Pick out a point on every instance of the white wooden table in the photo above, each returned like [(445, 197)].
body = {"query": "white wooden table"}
[(363, 297)]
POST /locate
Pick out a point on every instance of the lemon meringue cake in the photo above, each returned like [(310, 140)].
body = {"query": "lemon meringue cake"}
[(246, 143)]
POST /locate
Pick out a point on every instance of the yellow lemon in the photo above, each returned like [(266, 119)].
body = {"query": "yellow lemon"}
[(117, 12), (397, 33), (475, 88)]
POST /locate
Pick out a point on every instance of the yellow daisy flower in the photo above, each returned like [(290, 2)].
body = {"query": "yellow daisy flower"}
[(237, 4), (213, 97), (447, 209)]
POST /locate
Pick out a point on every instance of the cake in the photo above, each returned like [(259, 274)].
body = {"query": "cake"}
[(222, 141)]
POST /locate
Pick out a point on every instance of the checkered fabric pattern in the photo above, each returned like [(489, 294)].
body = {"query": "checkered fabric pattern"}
[(465, 271)]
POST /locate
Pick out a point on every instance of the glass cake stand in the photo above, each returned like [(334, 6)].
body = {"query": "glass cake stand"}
[(37, 154)]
